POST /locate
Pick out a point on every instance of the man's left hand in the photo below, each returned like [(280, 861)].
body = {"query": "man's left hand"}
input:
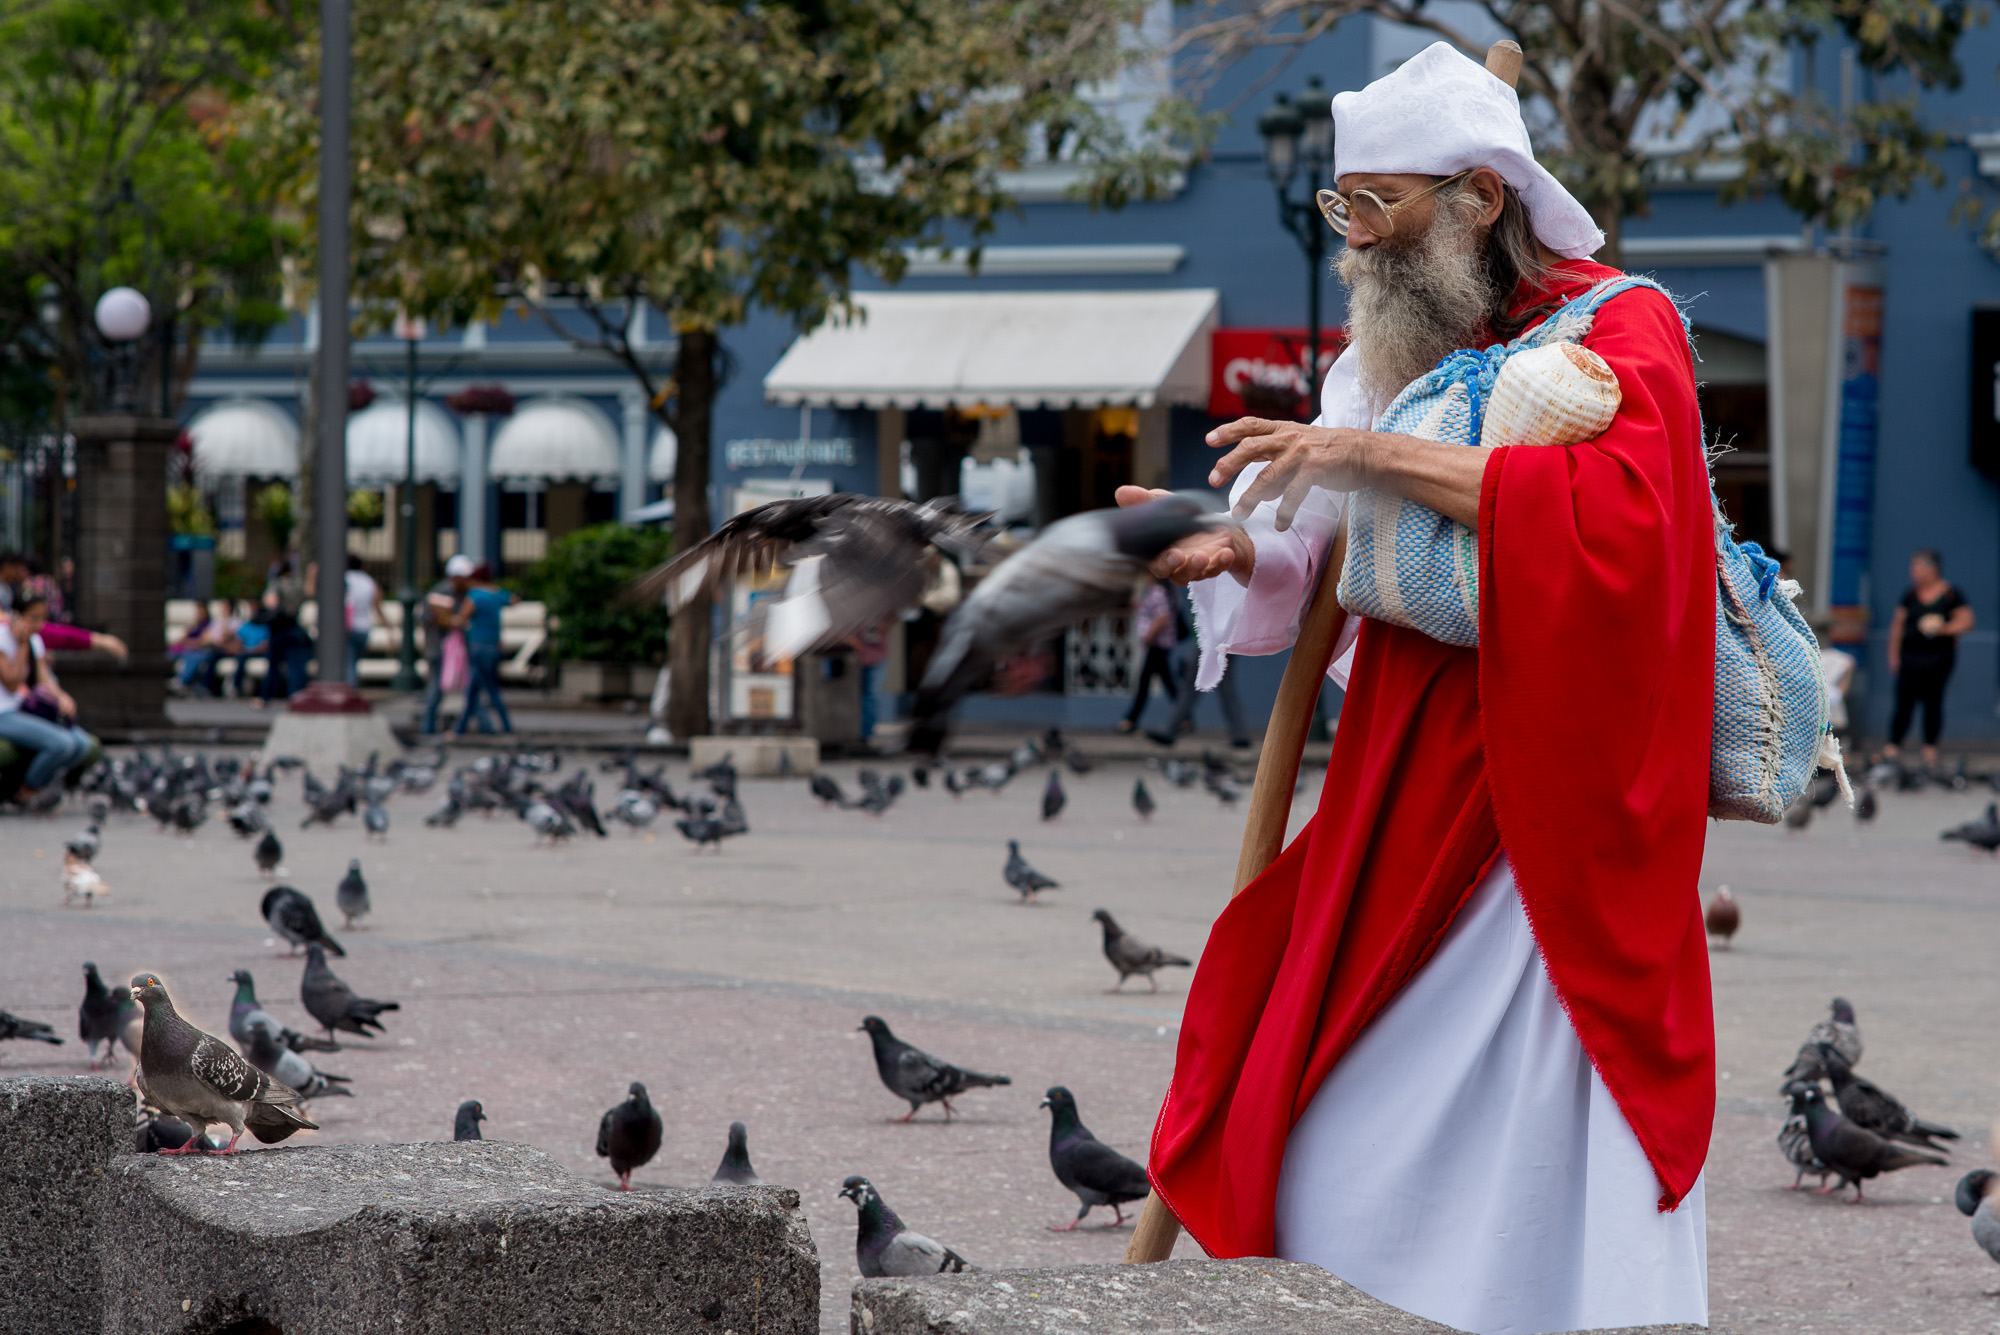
[(1297, 458)]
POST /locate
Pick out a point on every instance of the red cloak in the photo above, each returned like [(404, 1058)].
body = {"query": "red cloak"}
[(1576, 737)]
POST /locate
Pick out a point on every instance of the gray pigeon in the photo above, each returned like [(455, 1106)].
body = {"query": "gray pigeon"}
[(1076, 568), (245, 1015), (1023, 877), (1054, 799), (274, 1059), (351, 896), (85, 843), (1840, 1031), (333, 1003), (917, 1077), (293, 917), (201, 1079), (629, 1135), (375, 819), (269, 853), (15, 1026), (1976, 1197), (1098, 1174), (1795, 1143), (735, 1169), (465, 1123), (1130, 955), (1142, 801), (883, 1246), (1873, 1108), (1851, 1153)]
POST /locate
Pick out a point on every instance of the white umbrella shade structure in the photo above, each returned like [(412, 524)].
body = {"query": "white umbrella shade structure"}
[(378, 443), (553, 440), (660, 459), (245, 437)]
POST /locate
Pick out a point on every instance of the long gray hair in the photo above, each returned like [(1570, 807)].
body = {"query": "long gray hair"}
[(1513, 257)]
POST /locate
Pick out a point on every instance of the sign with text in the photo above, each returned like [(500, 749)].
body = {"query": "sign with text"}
[(1262, 372), (790, 453)]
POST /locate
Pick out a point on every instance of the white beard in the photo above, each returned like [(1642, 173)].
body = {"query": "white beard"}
[(1412, 301)]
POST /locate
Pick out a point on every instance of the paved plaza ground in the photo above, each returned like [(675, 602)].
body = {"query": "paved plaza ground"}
[(542, 980)]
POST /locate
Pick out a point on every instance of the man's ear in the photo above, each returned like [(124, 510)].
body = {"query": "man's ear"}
[(1492, 192)]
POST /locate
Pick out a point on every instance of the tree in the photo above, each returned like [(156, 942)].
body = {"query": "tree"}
[(582, 158), (117, 168), (1714, 78)]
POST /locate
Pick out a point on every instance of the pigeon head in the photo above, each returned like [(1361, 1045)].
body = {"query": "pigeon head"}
[(858, 1190), (354, 864), (1144, 531), (739, 1138), (875, 1027), (1059, 1099), (92, 978), (1842, 1011), (1972, 1189), (1104, 916), (242, 979), (315, 957), (637, 1092), (149, 991)]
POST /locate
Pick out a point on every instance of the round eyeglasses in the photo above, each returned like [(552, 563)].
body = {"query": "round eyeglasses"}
[(1342, 211)]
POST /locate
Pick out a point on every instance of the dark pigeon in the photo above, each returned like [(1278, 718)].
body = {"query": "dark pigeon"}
[(1865, 804), (1723, 916), (1838, 1029), (1873, 1108), (917, 1077), (293, 917), (33, 1031), (1849, 1152), (288, 1068), (161, 1134), (104, 1015), (883, 1246), (351, 895), (629, 1134), (1023, 877), (1142, 801), (245, 1014), (465, 1122), (1054, 799), (735, 1169), (828, 791), (1983, 833), (1976, 1197), (1795, 1143), (269, 853), (85, 843), (1129, 955), (1098, 1174), (201, 1079), (333, 1003)]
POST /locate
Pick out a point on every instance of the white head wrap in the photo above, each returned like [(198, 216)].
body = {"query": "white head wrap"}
[(1441, 113)]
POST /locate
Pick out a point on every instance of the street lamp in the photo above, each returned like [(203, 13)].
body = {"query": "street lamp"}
[(122, 316), (411, 331), (1300, 134)]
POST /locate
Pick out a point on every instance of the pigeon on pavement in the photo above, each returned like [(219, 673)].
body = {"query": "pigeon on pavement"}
[(269, 853), (201, 1079), (351, 896), (883, 1246), (1839, 1030), (1976, 1196), (917, 1077), (375, 820), (1142, 801), (1130, 955), (1850, 1153), (735, 1169), (1054, 799), (333, 1002), (81, 881), (1865, 804), (106, 1016), (1982, 833), (274, 1059), (827, 790), (1795, 1142), (293, 917), (15, 1026), (1098, 1174), (1023, 877), (85, 843), (629, 1134), (245, 1014), (465, 1122), (1724, 915), (1078, 567), (1873, 1108)]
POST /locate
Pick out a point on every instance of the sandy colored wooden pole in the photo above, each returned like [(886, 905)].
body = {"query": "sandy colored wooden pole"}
[(1270, 805)]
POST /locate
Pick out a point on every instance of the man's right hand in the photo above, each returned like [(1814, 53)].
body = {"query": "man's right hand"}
[(1201, 555)]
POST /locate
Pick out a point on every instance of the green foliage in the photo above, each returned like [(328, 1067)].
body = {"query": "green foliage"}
[(274, 507), (581, 580), (365, 509), (187, 510), (236, 580)]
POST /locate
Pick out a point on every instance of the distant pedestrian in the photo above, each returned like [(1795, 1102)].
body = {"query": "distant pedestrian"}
[(288, 652), (364, 609), (1159, 631), (871, 651), (479, 617), (1189, 663), (441, 660), (1923, 647)]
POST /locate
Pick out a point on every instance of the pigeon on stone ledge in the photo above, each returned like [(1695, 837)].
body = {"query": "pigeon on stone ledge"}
[(1098, 1174), (735, 1169), (917, 1077), (333, 1003), (201, 1079), (465, 1122), (883, 1246), (293, 917), (629, 1134)]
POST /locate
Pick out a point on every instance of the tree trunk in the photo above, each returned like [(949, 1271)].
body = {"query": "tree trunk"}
[(688, 643)]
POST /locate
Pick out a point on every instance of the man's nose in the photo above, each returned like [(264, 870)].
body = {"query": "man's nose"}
[(1358, 235)]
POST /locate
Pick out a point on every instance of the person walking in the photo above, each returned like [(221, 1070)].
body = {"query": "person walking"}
[(1923, 648), (479, 618), (364, 609), (1187, 673), (441, 605), (1159, 632)]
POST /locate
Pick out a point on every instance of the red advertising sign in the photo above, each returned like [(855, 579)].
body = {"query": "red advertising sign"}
[(1261, 372)]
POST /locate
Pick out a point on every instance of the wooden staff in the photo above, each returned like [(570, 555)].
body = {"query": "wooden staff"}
[(1284, 745)]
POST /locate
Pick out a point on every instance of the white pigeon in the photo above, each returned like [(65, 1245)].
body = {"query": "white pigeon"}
[(81, 881)]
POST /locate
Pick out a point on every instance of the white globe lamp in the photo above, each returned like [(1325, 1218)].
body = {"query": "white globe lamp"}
[(123, 314)]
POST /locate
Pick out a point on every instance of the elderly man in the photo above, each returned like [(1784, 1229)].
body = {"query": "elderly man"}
[(1456, 1044)]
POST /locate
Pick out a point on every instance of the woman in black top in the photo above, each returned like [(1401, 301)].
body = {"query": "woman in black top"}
[(1923, 645)]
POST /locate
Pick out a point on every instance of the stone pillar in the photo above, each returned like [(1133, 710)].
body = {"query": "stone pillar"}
[(472, 488), (632, 463), (121, 569), (58, 1137)]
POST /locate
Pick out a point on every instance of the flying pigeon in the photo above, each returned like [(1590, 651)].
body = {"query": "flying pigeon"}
[(1054, 799), (1840, 1031), (274, 1059), (629, 1135), (1142, 801), (1983, 833), (1724, 915), (351, 896), (1023, 877), (85, 843), (883, 1246), (201, 1079), (917, 1077), (1130, 955), (107, 1015), (1098, 1174), (245, 1014), (293, 917), (465, 1122), (854, 560), (1976, 1197), (269, 853), (1078, 567), (81, 881), (14, 1026), (1873, 1108), (333, 1003), (735, 1169), (1850, 1153)]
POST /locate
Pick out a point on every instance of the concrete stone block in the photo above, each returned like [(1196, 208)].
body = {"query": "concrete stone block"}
[(474, 1238), (327, 741), (58, 1136), (1253, 1297), (758, 757)]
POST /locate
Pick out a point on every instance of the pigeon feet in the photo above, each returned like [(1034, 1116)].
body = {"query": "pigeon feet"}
[(1070, 1227), (194, 1145)]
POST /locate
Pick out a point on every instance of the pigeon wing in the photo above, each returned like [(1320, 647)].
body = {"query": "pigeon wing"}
[(920, 1075), (911, 1253), (223, 1070), (1095, 1165)]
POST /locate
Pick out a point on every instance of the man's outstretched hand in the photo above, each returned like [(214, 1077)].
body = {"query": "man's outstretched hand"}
[(1201, 555)]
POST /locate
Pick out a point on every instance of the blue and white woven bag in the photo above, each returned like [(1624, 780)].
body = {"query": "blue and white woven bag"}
[(1411, 566)]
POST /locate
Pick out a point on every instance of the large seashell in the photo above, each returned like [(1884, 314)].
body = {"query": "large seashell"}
[(1557, 394)]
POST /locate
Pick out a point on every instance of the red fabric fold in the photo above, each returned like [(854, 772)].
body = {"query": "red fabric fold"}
[(1576, 736)]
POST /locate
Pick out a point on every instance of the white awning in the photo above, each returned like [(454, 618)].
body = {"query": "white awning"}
[(660, 460), (245, 438), (378, 444), (555, 439), (1024, 349)]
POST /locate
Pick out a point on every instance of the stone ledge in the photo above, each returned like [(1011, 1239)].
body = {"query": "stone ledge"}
[(58, 1134), (1253, 1297)]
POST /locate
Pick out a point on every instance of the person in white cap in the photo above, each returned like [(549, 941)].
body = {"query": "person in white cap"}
[(441, 604), (1456, 1045)]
